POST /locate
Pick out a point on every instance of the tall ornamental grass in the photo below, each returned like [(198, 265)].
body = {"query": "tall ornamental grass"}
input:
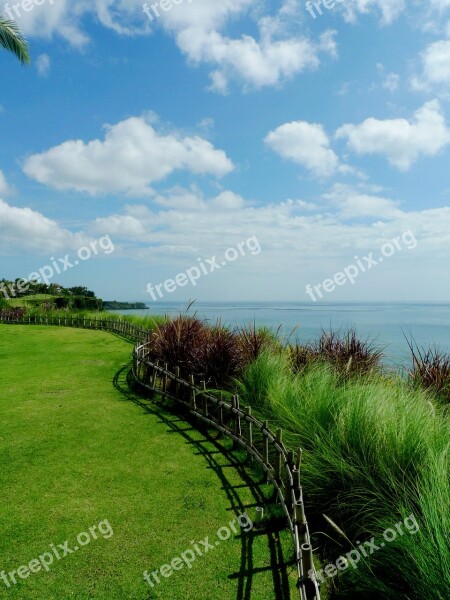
[(375, 452)]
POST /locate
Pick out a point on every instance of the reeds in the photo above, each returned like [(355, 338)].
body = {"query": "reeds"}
[(345, 351), (431, 370), (212, 353)]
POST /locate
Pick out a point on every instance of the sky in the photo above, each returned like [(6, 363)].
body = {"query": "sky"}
[(250, 148)]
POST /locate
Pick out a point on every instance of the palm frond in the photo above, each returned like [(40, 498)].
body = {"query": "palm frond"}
[(11, 39)]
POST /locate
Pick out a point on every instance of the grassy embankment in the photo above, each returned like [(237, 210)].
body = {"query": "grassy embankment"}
[(75, 451), (376, 451)]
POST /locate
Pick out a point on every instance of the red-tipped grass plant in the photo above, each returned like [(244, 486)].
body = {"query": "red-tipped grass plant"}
[(431, 370), (345, 351)]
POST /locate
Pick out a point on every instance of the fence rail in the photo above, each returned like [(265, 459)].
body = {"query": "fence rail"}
[(282, 466), (266, 447), (120, 327)]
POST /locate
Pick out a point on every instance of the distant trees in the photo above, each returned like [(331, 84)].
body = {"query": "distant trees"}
[(11, 39), (20, 288)]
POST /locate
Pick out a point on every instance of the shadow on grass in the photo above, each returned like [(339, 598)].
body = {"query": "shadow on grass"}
[(181, 423)]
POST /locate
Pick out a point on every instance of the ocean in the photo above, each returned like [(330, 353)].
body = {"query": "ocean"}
[(389, 324)]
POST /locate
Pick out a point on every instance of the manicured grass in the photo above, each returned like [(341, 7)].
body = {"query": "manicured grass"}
[(375, 452), (76, 448)]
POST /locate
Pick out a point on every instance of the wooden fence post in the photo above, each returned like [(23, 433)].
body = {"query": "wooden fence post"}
[(193, 395), (300, 519), (308, 566), (177, 385), (154, 376), (266, 447), (238, 430), (248, 412), (278, 464), (165, 378), (220, 409), (204, 398)]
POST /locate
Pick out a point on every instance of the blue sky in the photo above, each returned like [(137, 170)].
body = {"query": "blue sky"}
[(218, 121)]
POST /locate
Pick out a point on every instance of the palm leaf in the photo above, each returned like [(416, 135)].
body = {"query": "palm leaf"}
[(12, 39)]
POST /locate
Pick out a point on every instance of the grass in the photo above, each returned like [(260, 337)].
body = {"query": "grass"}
[(213, 353), (77, 447), (431, 371), (375, 452), (28, 300)]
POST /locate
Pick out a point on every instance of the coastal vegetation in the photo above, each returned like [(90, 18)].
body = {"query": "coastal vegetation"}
[(115, 305), (375, 443)]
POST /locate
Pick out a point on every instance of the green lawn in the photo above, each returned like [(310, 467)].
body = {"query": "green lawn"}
[(77, 448)]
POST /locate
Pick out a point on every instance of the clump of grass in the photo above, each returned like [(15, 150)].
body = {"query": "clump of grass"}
[(178, 343), (301, 356), (253, 340), (345, 351), (375, 451), (213, 353), (431, 371), (220, 357)]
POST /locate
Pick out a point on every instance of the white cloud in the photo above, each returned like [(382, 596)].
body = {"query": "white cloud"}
[(276, 54), (227, 201), (401, 141), (353, 203), (306, 144), (295, 235), (435, 66), (61, 17), (43, 64), (132, 156), (390, 10), (4, 187), (26, 229)]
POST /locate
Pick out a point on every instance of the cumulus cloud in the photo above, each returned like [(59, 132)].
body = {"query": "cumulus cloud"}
[(306, 144), (435, 66), (278, 52), (131, 157), (275, 55), (401, 141), (26, 229)]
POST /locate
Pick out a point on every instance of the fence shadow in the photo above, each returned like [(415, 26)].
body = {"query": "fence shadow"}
[(211, 448)]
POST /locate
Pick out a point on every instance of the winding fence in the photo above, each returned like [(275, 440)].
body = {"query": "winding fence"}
[(281, 466)]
